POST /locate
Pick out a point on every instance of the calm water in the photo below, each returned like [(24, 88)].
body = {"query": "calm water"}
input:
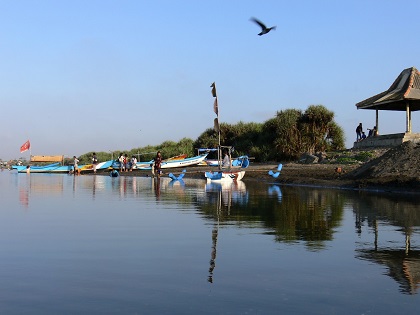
[(102, 245)]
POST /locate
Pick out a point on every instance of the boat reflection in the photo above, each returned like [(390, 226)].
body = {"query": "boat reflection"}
[(36, 185), (274, 190)]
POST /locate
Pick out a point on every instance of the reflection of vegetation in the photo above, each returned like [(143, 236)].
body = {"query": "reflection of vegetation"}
[(309, 215), (302, 214), (398, 210)]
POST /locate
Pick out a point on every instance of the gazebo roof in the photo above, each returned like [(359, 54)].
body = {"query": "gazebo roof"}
[(406, 88)]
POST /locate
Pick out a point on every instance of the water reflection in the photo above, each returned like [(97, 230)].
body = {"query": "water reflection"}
[(30, 185), (385, 225), (401, 260), (274, 190), (227, 195)]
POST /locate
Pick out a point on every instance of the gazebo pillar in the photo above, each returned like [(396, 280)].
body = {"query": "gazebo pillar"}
[(377, 121), (407, 117)]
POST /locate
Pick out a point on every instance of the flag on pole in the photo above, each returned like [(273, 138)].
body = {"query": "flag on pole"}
[(213, 90), (216, 107), (25, 146), (216, 125)]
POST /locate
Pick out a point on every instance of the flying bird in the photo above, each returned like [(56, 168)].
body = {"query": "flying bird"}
[(264, 29)]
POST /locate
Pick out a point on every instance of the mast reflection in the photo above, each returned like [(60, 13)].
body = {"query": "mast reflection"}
[(226, 193)]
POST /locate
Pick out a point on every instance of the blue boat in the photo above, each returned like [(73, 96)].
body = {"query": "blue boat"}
[(58, 168)]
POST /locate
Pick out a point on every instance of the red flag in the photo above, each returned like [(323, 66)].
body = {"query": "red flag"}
[(25, 146), (213, 90), (216, 107)]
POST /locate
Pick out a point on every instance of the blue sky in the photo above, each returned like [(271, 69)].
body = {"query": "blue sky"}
[(80, 76)]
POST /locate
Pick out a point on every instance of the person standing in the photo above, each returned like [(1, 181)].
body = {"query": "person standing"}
[(226, 160), (94, 162), (126, 162), (158, 162), (133, 163), (359, 131), (121, 160), (75, 165)]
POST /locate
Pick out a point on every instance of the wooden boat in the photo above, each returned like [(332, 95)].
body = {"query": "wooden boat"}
[(170, 163), (58, 168), (224, 175), (100, 166), (178, 157), (46, 169), (233, 172), (173, 162), (35, 167), (240, 161)]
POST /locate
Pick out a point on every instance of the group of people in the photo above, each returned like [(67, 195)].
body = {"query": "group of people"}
[(76, 170), (360, 134), (127, 164)]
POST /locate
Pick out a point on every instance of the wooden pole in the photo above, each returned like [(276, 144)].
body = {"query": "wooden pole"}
[(407, 118)]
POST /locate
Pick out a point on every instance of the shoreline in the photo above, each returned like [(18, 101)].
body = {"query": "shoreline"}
[(331, 176)]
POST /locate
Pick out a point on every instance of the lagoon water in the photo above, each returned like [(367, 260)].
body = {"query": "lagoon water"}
[(130, 245)]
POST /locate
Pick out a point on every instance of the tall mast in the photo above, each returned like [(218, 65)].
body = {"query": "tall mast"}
[(216, 120)]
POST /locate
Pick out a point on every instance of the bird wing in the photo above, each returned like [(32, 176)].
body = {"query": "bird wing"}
[(261, 24)]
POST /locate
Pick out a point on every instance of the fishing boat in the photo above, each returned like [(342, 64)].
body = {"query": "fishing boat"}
[(87, 168), (50, 168), (231, 172), (173, 162), (58, 168), (241, 161), (224, 175)]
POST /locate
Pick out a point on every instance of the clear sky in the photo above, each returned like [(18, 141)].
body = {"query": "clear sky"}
[(98, 75)]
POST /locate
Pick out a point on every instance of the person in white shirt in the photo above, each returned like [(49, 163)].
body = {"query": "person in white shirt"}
[(226, 160), (133, 163)]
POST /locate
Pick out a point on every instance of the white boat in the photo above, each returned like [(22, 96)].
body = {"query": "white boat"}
[(224, 175), (169, 163), (181, 163), (232, 172)]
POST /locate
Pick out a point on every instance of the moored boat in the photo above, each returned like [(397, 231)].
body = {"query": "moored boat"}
[(224, 175), (229, 171), (100, 166), (51, 168), (58, 168), (173, 162), (240, 161)]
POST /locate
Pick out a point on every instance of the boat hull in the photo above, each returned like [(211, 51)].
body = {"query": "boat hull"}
[(241, 161), (46, 169), (57, 168), (100, 166), (170, 163), (224, 176)]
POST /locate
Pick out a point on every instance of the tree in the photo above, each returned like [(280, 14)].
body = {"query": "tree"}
[(293, 132)]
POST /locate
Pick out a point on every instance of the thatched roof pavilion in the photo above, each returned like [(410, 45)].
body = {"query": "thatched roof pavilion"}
[(403, 95)]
